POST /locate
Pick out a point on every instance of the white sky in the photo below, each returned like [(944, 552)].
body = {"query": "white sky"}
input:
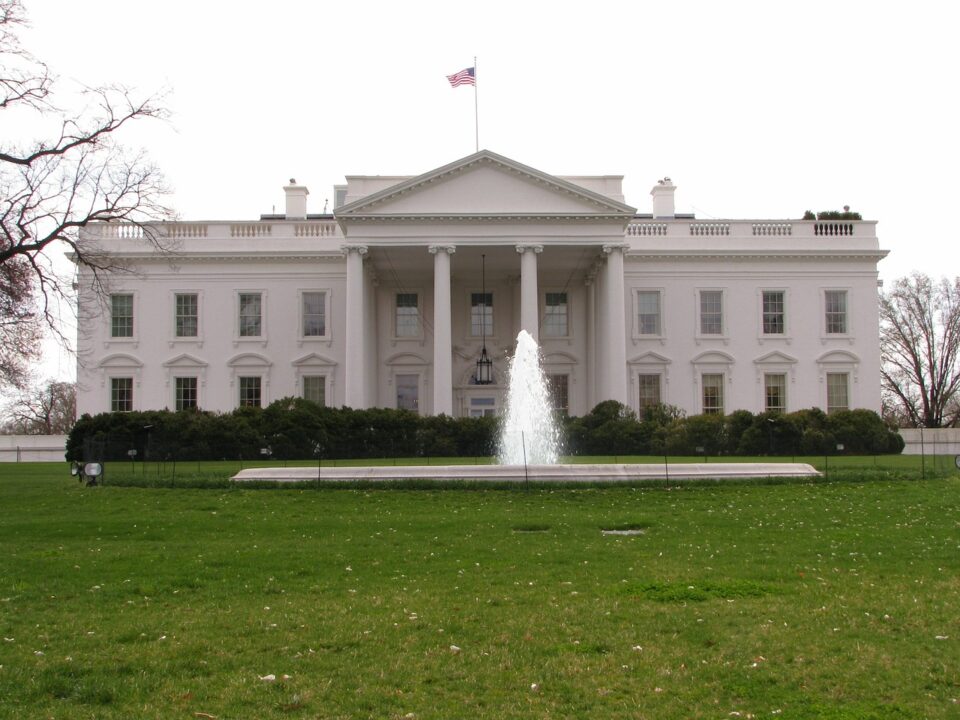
[(754, 109)]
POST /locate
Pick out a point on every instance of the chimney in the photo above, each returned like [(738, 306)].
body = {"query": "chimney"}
[(663, 198), (296, 200)]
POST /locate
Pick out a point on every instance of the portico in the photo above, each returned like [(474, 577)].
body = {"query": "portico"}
[(420, 242)]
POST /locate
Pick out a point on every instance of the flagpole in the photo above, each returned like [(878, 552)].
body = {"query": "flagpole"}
[(476, 115)]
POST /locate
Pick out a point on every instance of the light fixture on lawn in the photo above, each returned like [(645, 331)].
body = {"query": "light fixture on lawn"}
[(484, 363)]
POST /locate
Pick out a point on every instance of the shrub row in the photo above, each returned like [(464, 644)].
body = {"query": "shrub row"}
[(290, 428), (293, 428), (611, 428)]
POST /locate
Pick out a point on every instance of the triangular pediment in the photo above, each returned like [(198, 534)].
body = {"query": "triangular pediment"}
[(185, 360), (313, 360), (650, 358), (775, 358), (485, 185)]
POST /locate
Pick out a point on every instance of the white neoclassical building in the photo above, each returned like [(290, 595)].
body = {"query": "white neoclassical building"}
[(390, 300)]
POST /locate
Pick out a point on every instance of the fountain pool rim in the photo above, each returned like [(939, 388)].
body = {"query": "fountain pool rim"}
[(562, 473)]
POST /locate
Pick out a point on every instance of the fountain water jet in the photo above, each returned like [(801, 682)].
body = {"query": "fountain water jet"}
[(529, 434)]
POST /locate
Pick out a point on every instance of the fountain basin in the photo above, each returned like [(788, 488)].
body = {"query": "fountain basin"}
[(600, 473)]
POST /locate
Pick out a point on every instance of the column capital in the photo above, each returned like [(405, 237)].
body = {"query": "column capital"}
[(361, 250), (449, 249), (524, 247), (608, 248)]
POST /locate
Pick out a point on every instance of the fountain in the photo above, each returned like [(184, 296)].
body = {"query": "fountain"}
[(529, 435), (529, 449)]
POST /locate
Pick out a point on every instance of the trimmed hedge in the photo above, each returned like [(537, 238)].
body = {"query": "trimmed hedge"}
[(613, 429), (296, 429)]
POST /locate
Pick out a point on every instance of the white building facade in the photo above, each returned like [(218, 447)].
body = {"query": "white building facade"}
[(389, 301)]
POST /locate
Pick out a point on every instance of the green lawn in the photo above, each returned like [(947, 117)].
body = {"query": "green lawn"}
[(824, 600)]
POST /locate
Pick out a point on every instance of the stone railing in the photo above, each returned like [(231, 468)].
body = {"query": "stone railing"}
[(749, 228), (215, 230)]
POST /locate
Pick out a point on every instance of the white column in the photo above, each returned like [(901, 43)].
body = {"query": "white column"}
[(616, 335), (354, 362), (529, 305), (442, 332), (591, 314)]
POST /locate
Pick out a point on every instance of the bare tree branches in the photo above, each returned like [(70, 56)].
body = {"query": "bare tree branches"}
[(920, 349), (47, 410), (54, 187)]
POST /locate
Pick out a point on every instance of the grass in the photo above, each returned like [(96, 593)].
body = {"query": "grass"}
[(827, 600)]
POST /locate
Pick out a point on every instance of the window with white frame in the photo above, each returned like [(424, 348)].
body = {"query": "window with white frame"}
[(775, 392), (558, 388), (483, 406), (121, 315), (250, 314), (408, 392), (251, 394), (185, 393), (711, 312), (186, 315), (838, 392), (774, 312), (408, 315), (712, 389), (649, 388), (121, 394), (315, 389), (648, 312), (835, 309), (556, 322), (314, 313), (481, 314)]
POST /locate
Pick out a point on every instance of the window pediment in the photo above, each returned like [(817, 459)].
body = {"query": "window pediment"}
[(244, 360), (185, 360), (775, 358)]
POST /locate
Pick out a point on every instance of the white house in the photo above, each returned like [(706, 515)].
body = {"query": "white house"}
[(390, 300)]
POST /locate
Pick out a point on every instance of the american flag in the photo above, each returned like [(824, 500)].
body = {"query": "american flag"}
[(464, 77)]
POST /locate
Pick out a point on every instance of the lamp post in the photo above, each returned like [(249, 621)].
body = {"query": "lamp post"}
[(484, 363)]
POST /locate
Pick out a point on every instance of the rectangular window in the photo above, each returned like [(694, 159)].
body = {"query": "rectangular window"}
[(186, 393), (555, 319), (649, 391), (314, 314), (408, 392), (481, 314), (186, 315), (121, 394), (408, 315), (250, 395), (251, 309), (838, 392), (712, 394), (483, 407), (315, 389), (711, 312), (559, 388), (648, 312), (835, 303), (775, 392), (121, 316), (773, 312)]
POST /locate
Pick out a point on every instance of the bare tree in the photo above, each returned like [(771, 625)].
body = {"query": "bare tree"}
[(47, 410), (920, 350), (52, 187)]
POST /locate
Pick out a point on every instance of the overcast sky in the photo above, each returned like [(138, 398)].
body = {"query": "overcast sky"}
[(754, 109)]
